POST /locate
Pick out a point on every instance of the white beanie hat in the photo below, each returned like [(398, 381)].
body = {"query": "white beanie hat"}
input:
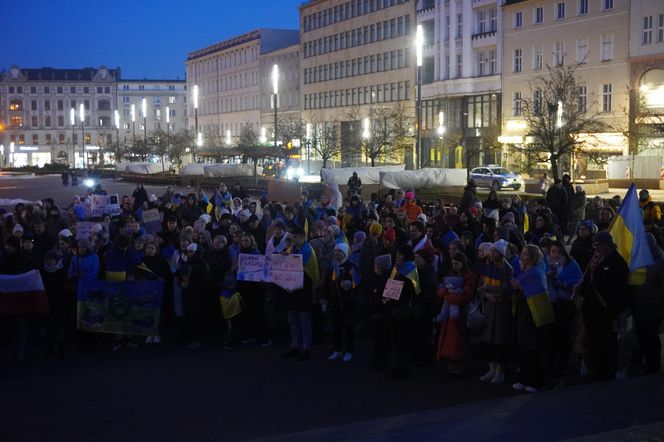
[(192, 247)]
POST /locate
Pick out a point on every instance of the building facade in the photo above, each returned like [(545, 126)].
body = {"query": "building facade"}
[(646, 82), (37, 108), (357, 56), (461, 81), (229, 76), (166, 108), (591, 34)]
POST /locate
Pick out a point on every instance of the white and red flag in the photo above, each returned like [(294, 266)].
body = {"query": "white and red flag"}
[(21, 294)]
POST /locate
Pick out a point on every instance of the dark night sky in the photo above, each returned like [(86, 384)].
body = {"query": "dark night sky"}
[(145, 38)]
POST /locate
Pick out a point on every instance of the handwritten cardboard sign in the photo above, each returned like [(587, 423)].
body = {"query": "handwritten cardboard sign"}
[(286, 271), (152, 221), (250, 267), (101, 205), (393, 289)]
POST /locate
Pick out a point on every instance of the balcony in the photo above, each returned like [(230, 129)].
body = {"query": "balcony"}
[(480, 3), (484, 39), (426, 14)]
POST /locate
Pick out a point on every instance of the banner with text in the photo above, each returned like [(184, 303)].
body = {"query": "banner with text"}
[(101, 205), (286, 271)]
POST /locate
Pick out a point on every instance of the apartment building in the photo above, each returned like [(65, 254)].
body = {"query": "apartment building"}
[(595, 35), (37, 109), (356, 56), (229, 77), (165, 108), (461, 81)]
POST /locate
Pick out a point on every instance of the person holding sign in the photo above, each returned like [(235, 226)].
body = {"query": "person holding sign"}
[(253, 320), (339, 303), (300, 302), (398, 309)]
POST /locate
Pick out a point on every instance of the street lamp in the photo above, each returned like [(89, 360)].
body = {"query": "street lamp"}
[(441, 130), (195, 92), (72, 121), (116, 117), (307, 137), (133, 125), (275, 97), (263, 137), (366, 134), (11, 153), (81, 116), (228, 137), (199, 140), (144, 110), (419, 43)]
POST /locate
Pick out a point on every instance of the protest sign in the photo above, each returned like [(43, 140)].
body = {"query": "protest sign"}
[(152, 221), (393, 289), (84, 228), (286, 271), (101, 205), (250, 267), (125, 307)]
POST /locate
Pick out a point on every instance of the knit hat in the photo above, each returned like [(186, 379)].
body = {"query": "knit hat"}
[(18, 228), (590, 225), (422, 217), (426, 254), (389, 234), (383, 262), (244, 214), (192, 247), (343, 247), (500, 246), (493, 214), (358, 240), (331, 220), (376, 229), (206, 218), (485, 247), (509, 216), (65, 233), (410, 195), (474, 210), (335, 230), (604, 238), (152, 198)]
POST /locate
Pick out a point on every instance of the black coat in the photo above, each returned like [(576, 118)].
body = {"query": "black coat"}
[(605, 292)]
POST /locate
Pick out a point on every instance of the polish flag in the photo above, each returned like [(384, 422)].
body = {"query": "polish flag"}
[(21, 294)]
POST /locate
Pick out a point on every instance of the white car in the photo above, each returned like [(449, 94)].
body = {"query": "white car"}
[(496, 177)]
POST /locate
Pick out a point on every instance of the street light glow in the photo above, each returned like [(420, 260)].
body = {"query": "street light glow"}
[(308, 131), (72, 116), (559, 115), (263, 137), (144, 107), (199, 140), (81, 112), (441, 123), (133, 113), (419, 43), (168, 114), (116, 117), (275, 79), (228, 137), (365, 128), (195, 96)]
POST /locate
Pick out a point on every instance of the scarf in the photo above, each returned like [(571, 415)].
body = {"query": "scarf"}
[(408, 270)]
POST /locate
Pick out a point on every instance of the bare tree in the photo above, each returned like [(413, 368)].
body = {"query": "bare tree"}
[(325, 140), (644, 124), (556, 113), (180, 142), (142, 149), (387, 137), (160, 146)]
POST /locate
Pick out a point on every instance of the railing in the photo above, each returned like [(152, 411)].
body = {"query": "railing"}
[(483, 35)]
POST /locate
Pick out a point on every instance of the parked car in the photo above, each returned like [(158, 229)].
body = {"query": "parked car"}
[(496, 177)]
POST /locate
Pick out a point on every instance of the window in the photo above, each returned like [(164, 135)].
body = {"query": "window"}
[(459, 30), (47, 121), (11, 89), (583, 98), (15, 105), (33, 90), (107, 90), (61, 138), (518, 19), (481, 22), (34, 122), (583, 7), (171, 100), (459, 70), (104, 105), (61, 121), (33, 105), (660, 28), (492, 62), (19, 89), (59, 89), (607, 47), (537, 101), (582, 50), (72, 89), (518, 60), (647, 30), (493, 20), (607, 89), (156, 101), (516, 104), (61, 105), (141, 87), (99, 89), (481, 63), (538, 15), (47, 90), (560, 10), (35, 138), (16, 121), (559, 53), (126, 99), (125, 87), (86, 104), (608, 5), (47, 105), (86, 90)]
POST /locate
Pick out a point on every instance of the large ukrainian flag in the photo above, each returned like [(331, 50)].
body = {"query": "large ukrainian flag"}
[(629, 234)]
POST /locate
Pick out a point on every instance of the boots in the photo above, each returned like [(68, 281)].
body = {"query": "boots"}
[(488, 376), (499, 376)]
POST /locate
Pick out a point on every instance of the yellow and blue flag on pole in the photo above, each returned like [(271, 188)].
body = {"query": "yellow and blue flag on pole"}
[(629, 234)]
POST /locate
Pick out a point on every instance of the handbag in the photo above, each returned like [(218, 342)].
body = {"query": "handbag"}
[(475, 319)]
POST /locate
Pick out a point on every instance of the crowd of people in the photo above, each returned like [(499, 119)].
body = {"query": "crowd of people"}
[(540, 284)]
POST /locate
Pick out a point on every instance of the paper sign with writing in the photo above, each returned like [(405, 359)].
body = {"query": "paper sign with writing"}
[(393, 289), (84, 228), (152, 221), (101, 205), (250, 267)]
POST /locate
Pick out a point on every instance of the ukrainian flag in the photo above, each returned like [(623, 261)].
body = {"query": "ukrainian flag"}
[(629, 234), (408, 270)]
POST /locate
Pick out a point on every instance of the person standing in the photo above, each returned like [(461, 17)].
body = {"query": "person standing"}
[(556, 199), (602, 294)]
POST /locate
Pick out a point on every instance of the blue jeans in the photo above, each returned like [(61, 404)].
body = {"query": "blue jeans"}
[(300, 326)]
